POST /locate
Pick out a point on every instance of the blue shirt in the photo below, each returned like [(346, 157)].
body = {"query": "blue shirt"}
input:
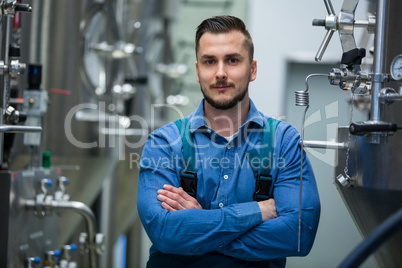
[(230, 221)]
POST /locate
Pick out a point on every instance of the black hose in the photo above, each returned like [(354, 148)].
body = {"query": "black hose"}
[(376, 238)]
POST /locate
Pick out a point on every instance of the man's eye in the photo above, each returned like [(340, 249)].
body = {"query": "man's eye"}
[(232, 60), (210, 62)]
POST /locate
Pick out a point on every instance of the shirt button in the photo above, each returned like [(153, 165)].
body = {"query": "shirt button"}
[(228, 146), (226, 177), (221, 205)]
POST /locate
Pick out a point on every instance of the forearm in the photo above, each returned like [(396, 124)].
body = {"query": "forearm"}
[(197, 231), (278, 237), (188, 231), (273, 239)]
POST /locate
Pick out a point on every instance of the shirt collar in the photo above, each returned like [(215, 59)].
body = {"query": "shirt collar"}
[(197, 119)]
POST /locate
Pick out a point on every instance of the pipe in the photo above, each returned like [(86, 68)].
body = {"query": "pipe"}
[(5, 78), (89, 217), (325, 144), (376, 238), (379, 61), (389, 97), (81, 209), (19, 129)]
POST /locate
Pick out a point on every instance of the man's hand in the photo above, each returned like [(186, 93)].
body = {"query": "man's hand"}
[(173, 199), (268, 209)]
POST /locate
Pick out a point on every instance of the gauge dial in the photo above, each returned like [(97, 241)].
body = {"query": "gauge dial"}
[(396, 68)]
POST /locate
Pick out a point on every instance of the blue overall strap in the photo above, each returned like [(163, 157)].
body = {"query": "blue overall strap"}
[(262, 172), (268, 140), (188, 176)]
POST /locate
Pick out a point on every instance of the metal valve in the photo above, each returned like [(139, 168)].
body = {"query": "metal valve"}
[(10, 8), (100, 243), (65, 261), (52, 257), (45, 185), (343, 78), (344, 23), (3, 68), (32, 262), (43, 197), (330, 24), (362, 83), (16, 68), (13, 116), (61, 193), (67, 249), (117, 51), (347, 79), (83, 240)]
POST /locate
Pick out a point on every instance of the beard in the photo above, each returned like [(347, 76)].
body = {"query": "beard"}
[(225, 104)]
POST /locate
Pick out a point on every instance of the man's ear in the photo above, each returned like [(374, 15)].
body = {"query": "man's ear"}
[(196, 68), (253, 72)]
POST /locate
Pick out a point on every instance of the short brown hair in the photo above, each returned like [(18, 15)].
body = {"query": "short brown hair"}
[(224, 24)]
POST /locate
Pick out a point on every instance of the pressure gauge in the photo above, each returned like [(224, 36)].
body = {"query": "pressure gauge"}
[(396, 68)]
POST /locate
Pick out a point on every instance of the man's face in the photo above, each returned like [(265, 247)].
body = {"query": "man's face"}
[(224, 69)]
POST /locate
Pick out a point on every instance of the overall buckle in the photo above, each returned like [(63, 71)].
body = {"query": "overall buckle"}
[(262, 187), (188, 181)]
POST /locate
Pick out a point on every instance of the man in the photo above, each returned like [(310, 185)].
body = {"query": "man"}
[(223, 226)]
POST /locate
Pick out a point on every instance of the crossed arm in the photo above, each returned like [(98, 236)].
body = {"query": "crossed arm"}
[(274, 237), (177, 224), (174, 199)]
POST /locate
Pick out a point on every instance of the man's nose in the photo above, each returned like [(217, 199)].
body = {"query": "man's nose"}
[(221, 72)]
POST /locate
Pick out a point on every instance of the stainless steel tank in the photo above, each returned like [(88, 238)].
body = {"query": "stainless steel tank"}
[(375, 168), (89, 51), (77, 120)]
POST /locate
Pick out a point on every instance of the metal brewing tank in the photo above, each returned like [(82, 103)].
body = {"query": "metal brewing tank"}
[(376, 168), (81, 128), (74, 120)]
